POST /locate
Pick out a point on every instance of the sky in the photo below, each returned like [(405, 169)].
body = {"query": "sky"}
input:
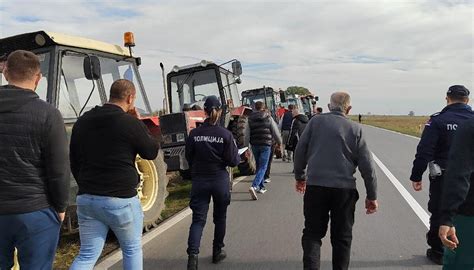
[(392, 56)]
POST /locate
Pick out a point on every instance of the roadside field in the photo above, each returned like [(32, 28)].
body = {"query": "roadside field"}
[(411, 125)]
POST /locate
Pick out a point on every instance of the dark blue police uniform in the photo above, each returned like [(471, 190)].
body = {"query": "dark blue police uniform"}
[(209, 150), (434, 146)]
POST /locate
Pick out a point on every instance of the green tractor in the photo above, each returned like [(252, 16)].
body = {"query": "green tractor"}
[(77, 75)]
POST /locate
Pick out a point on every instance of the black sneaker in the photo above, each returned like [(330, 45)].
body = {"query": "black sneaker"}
[(193, 262), (434, 256), (218, 256)]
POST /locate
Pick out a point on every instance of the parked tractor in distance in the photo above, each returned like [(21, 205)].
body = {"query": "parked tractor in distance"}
[(77, 75), (187, 89), (266, 95), (309, 104)]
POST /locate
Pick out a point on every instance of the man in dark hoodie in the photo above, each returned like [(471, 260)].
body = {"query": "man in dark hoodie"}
[(104, 144), (34, 171), (297, 127)]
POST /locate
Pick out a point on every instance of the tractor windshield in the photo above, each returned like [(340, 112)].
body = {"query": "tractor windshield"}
[(190, 90), (113, 70), (42, 88), (251, 100), (306, 105)]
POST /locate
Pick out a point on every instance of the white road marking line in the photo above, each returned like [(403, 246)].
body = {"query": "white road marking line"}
[(116, 256), (419, 211), (392, 131)]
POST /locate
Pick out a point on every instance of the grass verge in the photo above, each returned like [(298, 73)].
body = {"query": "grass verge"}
[(411, 125), (69, 245)]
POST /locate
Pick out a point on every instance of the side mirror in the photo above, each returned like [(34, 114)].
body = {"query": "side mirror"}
[(238, 80), (236, 68), (282, 96), (91, 67), (313, 102), (316, 98)]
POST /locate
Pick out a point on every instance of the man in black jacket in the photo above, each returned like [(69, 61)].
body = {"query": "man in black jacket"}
[(261, 131), (457, 204), (34, 171), (104, 144)]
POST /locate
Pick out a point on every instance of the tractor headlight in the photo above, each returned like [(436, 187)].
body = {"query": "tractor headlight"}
[(180, 137), (167, 139)]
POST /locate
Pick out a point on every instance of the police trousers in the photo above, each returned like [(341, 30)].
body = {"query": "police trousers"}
[(322, 204), (203, 189), (434, 206)]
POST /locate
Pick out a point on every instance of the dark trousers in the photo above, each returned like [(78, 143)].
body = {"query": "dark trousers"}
[(434, 205), (35, 235), (201, 192), (269, 166), (320, 205)]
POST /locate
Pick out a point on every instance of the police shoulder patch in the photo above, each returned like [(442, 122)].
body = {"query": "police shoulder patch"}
[(428, 123)]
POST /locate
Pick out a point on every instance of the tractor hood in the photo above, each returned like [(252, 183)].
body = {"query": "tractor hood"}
[(12, 98)]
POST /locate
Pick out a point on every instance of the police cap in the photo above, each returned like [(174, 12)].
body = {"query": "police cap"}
[(458, 91), (212, 102)]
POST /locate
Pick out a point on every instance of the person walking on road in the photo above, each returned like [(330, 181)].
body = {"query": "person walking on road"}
[(297, 127), (210, 149), (104, 144), (34, 168), (261, 131), (457, 203), (360, 118), (432, 152), (330, 158), (285, 126)]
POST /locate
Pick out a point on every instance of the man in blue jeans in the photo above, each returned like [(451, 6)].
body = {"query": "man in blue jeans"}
[(34, 171), (104, 144), (261, 131)]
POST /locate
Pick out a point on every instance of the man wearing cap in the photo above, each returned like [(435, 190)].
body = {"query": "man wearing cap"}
[(210, 149), (432, 152)]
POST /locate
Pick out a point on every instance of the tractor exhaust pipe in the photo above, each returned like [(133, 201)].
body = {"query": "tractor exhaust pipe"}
[(166, 103)]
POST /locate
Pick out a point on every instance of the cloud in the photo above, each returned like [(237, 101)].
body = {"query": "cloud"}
[(392, 56)]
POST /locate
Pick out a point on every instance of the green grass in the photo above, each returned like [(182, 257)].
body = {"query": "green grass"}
[(411, 125)]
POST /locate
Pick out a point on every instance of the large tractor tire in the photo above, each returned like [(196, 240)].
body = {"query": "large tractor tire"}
[(152, 189), (247, 166)]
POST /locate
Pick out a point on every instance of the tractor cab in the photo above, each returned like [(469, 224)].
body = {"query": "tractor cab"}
[(187, 90), (309, 104), (77, 74), (267, 95)]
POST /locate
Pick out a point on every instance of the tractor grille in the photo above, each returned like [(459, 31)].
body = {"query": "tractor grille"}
[(173, 123)]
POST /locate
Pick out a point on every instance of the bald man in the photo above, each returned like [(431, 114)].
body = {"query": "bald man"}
[(329, 186)]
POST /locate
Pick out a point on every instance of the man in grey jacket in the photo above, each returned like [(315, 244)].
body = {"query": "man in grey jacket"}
[(331, 148)]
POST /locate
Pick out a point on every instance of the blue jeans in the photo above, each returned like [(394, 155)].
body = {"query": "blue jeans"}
[(262, 156), (96, 214), (34, 234)]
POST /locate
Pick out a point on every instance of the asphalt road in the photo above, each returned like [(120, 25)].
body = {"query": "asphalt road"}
[(265, 234)]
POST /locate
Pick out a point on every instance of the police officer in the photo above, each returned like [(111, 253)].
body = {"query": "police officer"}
[(209, 150), (432, 152)]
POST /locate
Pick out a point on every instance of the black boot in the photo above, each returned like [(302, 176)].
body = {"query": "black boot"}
[(435, 256), (193, 262), (218, 255)]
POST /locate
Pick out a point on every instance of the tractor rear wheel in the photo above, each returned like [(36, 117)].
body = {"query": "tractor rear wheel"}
[(247, 166), (152, 189)]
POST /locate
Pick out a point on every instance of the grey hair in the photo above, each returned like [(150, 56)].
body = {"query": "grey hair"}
[(340, 101)]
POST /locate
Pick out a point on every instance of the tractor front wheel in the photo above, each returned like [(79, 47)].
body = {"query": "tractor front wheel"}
[(152, 188)]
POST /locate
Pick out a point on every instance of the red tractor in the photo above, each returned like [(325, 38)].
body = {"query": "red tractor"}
[(187, 89)]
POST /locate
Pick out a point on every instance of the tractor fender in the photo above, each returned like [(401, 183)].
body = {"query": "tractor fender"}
[(242, 110)]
